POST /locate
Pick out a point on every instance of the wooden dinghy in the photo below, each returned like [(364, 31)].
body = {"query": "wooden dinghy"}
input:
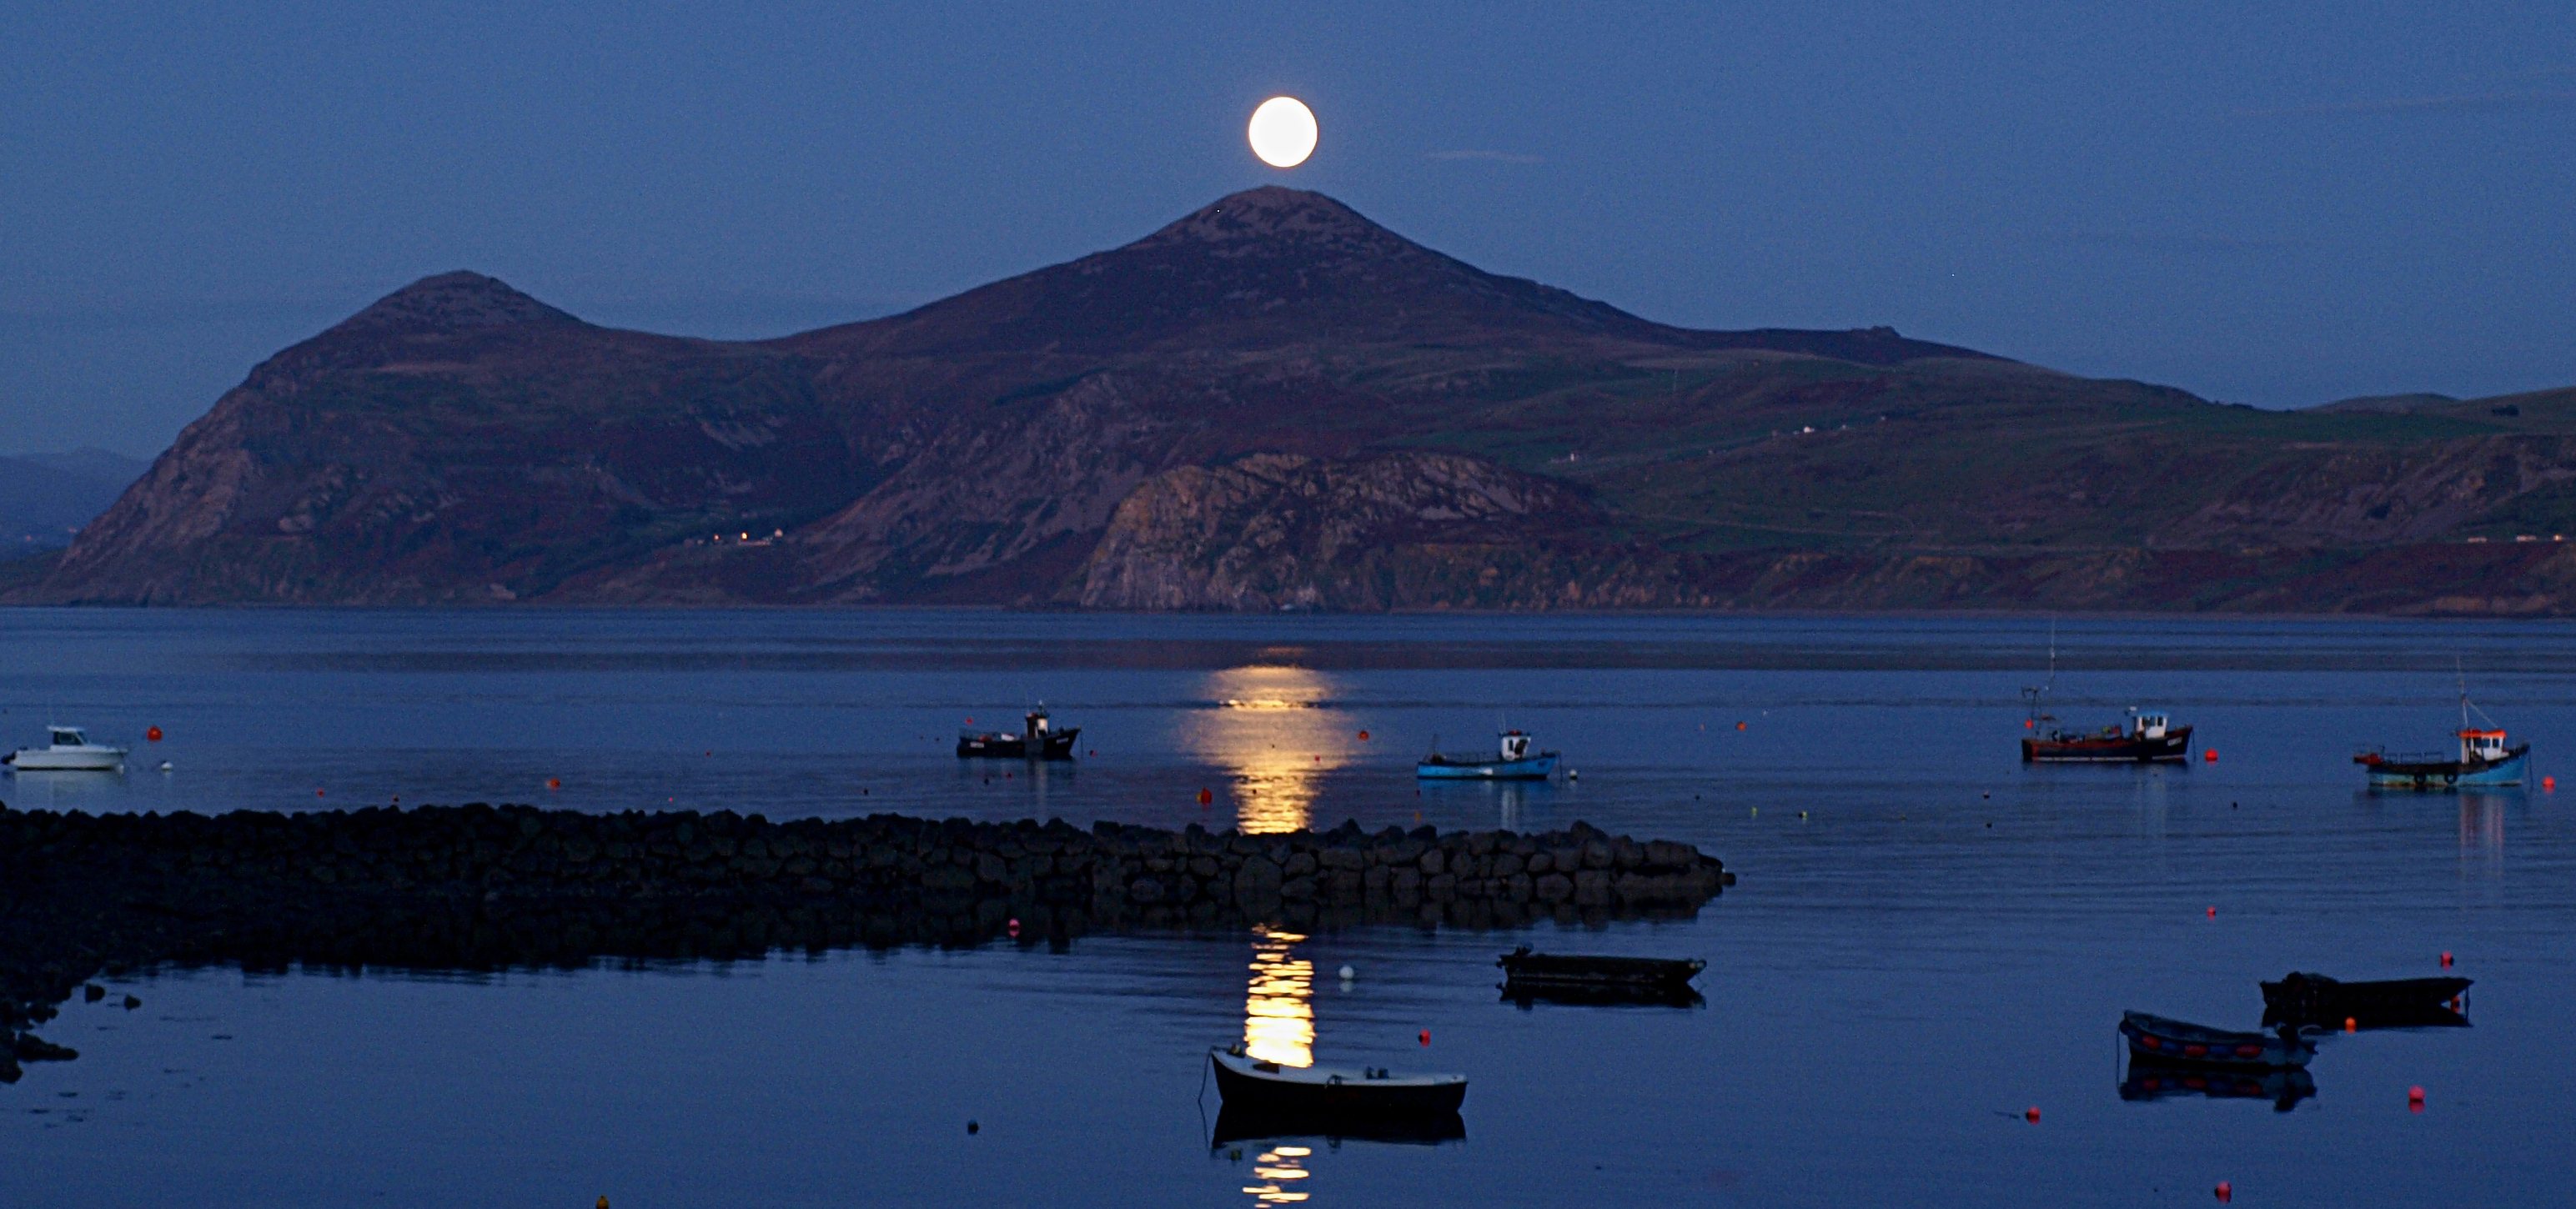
[(2303, 998), (1330, 1092), (1525, 969), (2180, 1043)]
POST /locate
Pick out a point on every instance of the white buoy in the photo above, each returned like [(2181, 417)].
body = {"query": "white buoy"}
[(1349, 973), (165, 766)]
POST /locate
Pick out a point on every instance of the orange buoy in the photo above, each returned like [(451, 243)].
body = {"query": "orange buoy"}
[(2031, 1114), (2446, 961), (1739, 726), (2226, 1192), (2351, 1025), (2028, 724), (2549, 784), (1426, 1036), (2213, 912), (1206, 797), (2209, 755), (153, 734), (554, 782), (1363, 736)]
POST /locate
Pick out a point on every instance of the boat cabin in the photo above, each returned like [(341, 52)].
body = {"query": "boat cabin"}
[(2148, 723), (2481, 746), (1036, 724), (1515, 745), (69, 736)]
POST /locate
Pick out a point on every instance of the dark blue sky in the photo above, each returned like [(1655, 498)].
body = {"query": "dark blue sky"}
[(2280, 203)]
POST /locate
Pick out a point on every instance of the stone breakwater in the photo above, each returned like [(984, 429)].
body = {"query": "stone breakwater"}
[(482, 887)]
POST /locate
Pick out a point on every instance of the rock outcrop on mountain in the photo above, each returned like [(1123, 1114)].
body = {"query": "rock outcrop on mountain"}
[(1275, 403)]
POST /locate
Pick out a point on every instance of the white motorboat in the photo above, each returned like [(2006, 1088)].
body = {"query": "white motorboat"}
[(70, 750)]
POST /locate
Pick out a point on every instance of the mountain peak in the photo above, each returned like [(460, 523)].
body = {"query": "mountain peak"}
[(1273, 214), (450, 302)]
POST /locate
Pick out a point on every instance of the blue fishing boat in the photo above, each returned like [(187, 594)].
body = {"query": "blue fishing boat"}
[(2483, 761), (1513, 763)]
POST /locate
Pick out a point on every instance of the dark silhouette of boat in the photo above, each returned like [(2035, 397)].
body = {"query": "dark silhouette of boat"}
[(1525, 970), (1527, 996), (2149, 736), (2302, 998), (1037, 740), (2166, 1081), (1238, 1123), (2180, 1043), (1334, 1093)]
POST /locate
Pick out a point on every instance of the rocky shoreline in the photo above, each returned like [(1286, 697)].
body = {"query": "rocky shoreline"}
[(482, 887)]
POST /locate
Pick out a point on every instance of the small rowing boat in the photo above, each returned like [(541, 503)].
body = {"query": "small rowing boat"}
[(1332, 1091), (1513, 762), (2178, 1042), (2301, 998), (1523, 968)]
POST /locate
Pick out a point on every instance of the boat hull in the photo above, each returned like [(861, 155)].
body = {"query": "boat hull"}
[(1554, 970), (2392, 1003), (1058, 745), (2447, 774), (2124, 749), (1314, 1095), (40, 760), (1530, 768), (2176, 1043)]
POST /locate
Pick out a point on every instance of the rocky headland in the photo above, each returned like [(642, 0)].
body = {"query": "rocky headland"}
[(484, 887)]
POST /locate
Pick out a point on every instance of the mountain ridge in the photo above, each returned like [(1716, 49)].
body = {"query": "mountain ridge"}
[(1274, 402)]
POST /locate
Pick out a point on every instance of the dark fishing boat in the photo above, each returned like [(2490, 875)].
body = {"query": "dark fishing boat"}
[(2166, 1081), (2176, 1042), (1037, 740), (1334, 1092), (1525, 969), (2149, 735), (1235, 1123), (2302, 998)]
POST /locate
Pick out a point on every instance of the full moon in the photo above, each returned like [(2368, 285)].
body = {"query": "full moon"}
[(1283, 132)]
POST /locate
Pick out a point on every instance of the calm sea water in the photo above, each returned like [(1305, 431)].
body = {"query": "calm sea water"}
[(1927, 940)]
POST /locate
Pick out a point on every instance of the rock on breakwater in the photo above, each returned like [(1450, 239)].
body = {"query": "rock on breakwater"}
[(483, 887)]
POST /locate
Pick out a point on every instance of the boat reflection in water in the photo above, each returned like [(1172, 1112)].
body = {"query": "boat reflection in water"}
[(1272, 729), (1516, 805), (2155, 1081), (1527, 996)]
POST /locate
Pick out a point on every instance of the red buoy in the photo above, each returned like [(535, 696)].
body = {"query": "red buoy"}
[(2226, 1191), (1015, 928), (1206, 797), (1739, 726), (2414, 1099), (2351, 1025), (153, 734), (2031, 1114), (2549, 784), (1363, 736), (2446, 961), (1426, 1036), (2209, 755), (554, 782), (2213, 912)]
